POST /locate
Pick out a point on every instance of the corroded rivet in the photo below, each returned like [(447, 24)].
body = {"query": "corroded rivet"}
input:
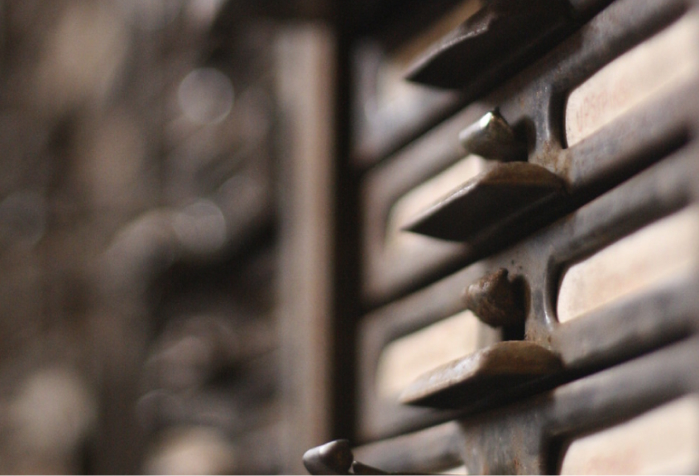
[(492, 137), (495, 300)]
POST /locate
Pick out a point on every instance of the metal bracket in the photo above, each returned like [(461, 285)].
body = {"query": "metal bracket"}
[(499, 368), (499, 35), (504, 192)]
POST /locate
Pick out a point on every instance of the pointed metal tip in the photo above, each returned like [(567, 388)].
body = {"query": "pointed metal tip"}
[(331, 458)]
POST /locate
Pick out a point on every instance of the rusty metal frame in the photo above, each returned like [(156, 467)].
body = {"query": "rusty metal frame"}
[(380, 131), (634, 171), (530, 437), (533, 103), (601, 339)]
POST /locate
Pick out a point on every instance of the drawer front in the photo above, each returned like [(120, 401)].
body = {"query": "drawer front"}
[(660, 441)]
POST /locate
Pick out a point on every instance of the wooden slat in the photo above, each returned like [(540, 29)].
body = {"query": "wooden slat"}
[(405, 359), (660, 252), (648, 71), (661, 441)]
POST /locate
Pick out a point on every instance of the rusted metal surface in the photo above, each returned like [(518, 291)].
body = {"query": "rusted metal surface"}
[(495, 300), (383, 126), (384, 186), (430, 305), (489, 42), (630, 173), (500, 368), (388, 110), (432, 450), (603, 338), (533, 104), (381, 131), (531, 436), (492, 137), (512, 192)]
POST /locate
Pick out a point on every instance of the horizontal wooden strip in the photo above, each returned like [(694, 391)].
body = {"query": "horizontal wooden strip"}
[(662, 441), (664, 250), (644, 73), (405, 359)]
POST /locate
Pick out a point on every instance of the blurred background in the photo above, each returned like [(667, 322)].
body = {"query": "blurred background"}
[(144, 229)]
